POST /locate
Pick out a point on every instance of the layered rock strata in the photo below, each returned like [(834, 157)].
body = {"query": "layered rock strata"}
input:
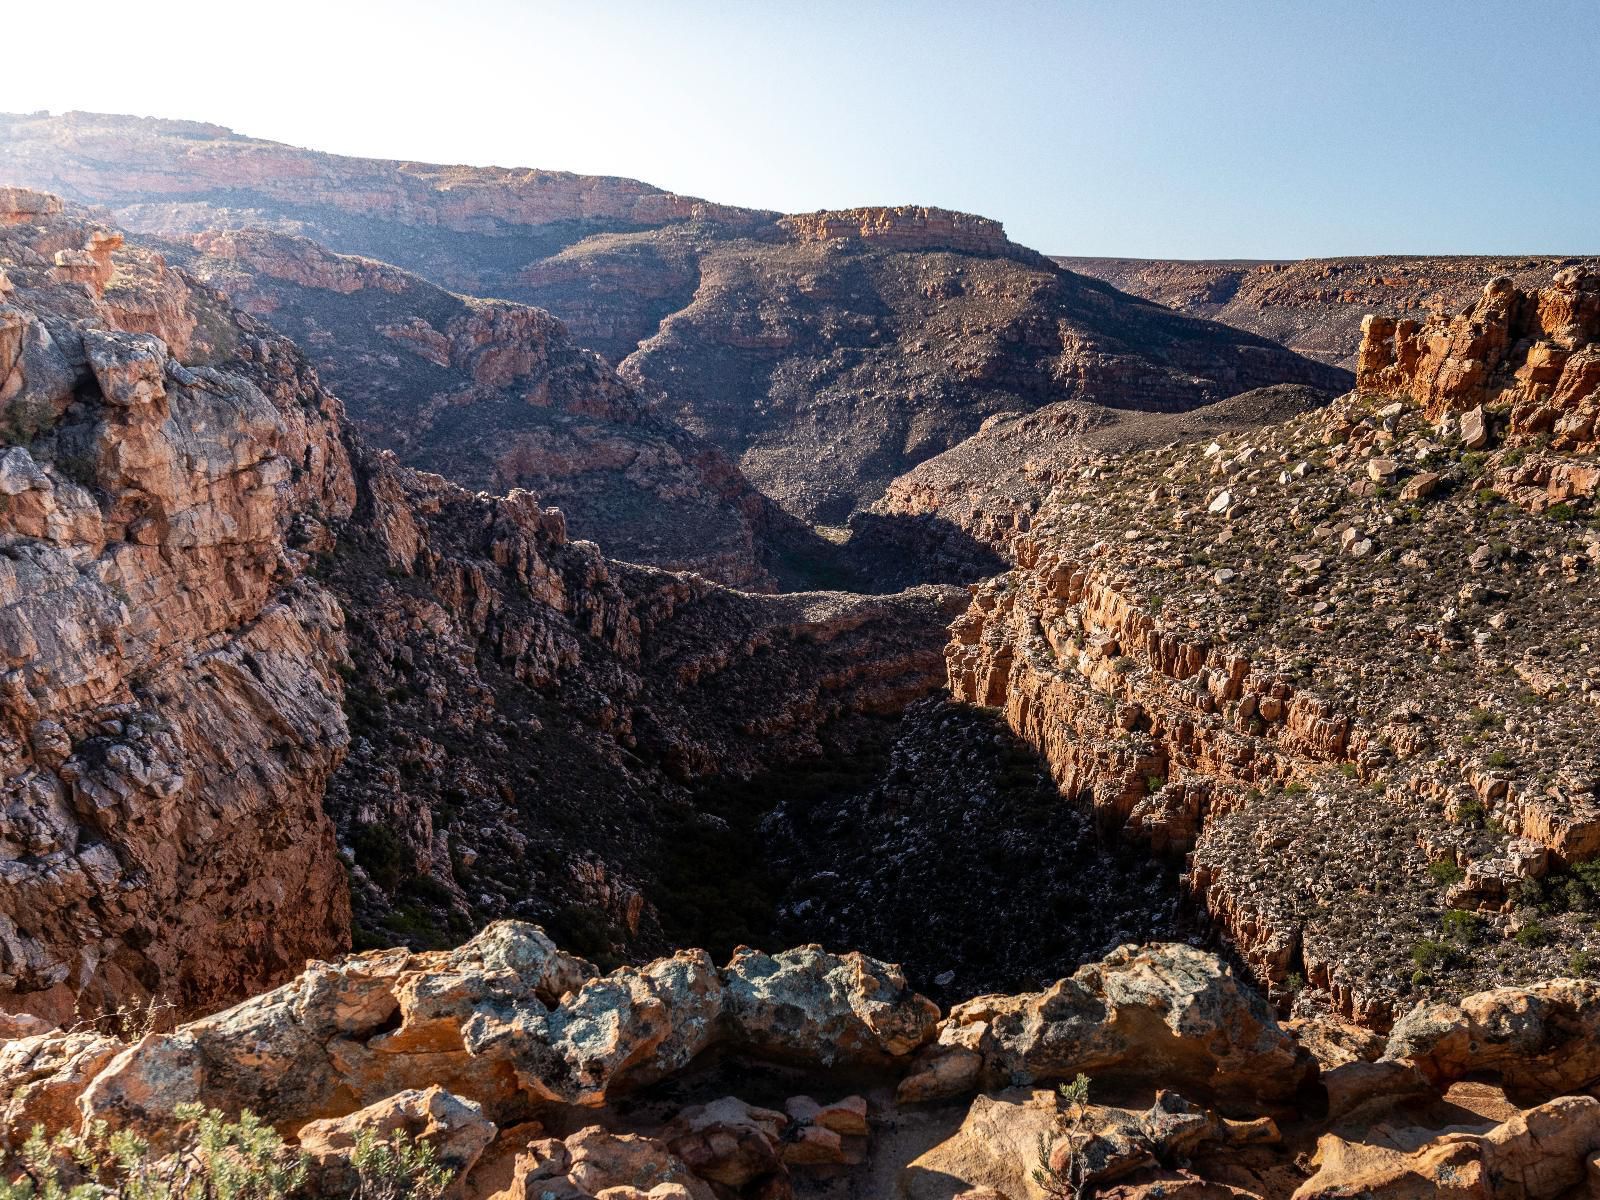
[(869, 339), (494, 396)]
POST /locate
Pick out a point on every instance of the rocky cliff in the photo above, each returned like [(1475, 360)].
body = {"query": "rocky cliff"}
[(494, 396), (1315, 306), (172, 709), (1527, 359), (212, 587), (1344, 664)]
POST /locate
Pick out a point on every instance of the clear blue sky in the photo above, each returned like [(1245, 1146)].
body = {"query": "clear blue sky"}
[(1206, 128)]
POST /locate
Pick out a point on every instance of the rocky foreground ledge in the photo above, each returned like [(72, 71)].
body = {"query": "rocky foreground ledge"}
[(810, 1073)]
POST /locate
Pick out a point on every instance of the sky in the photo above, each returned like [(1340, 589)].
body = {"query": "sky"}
[(1182, 129)]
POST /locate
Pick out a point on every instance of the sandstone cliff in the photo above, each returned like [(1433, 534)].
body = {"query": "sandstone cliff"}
[(171, 708), (1315, 306), (1527, 359)]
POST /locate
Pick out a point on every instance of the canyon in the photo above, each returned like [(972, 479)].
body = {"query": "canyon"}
[(1084, 690)]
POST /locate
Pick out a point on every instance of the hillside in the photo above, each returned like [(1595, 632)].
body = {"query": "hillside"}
[(867, 338)]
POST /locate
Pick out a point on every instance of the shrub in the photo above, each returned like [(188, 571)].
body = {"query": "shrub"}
[(1462, 927), (397, 1168), (213, 1159), (1561, 512), (1430, 954), (1581, 963), (1533, 934), (1498, 758), (1068, 1181), (1445, 872)]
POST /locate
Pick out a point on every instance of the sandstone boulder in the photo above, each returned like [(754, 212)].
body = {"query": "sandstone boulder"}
[(1164, 1012), (455, 1129), (1540, 1041), (1539, 1154)]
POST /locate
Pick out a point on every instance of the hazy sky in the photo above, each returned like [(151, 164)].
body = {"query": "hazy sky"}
[(1194, 128)]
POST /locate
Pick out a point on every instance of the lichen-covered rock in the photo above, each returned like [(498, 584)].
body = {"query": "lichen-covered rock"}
[(507, 1022), (1169, 1013), (1540, 1040)]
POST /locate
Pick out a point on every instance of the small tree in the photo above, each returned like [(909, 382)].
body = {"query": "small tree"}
[(1064, 1176)]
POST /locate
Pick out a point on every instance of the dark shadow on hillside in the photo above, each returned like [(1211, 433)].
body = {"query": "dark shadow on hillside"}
[(942, 844), (883, 553)]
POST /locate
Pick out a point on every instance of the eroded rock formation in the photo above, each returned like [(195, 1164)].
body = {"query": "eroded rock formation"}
[(204, 573), (1315, 306), (1530, 357)]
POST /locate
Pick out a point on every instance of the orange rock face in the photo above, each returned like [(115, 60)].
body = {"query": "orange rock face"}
[(1533, 354), (156, 625)]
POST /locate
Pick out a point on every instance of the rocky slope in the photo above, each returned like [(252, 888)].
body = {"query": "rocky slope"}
[(212, 591), (808, 1074), (494, 396), (1315, 306), (892, 339), (867, 338), (1344, 663)]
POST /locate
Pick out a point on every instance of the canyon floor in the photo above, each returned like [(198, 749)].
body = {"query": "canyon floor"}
[(493, 614)]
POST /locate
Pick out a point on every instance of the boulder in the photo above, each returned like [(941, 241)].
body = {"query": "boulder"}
[(1167, 1013), (456, 1129), (1540, 1041), (1539, 1154)]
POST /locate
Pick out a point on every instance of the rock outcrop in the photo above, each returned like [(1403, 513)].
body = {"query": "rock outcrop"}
[(1167, 1013), (1527, 360), (170, 711), (1315, 306), (528, 1073)]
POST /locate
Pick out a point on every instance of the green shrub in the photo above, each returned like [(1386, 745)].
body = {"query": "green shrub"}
[(1462, 927), (397, 1168), (212, 1159), (1498, 758), (1581, 964), (1431, 954), (1533, 934), (1561, 512), (1445, 872)]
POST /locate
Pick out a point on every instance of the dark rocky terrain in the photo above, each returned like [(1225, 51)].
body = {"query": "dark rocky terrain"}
[(1314, 306)]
